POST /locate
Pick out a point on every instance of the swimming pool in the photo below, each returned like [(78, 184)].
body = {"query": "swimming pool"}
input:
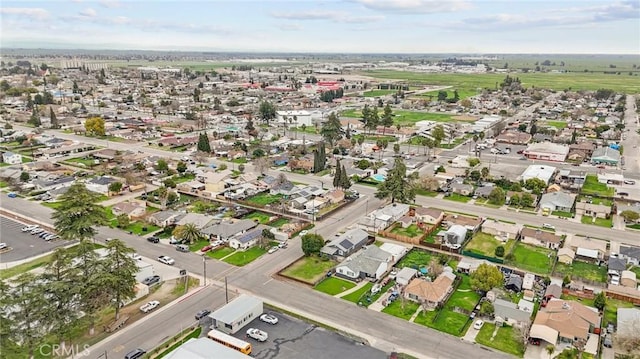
[(378, 177)]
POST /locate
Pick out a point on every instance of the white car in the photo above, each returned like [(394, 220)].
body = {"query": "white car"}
[(478, 324), (303, 232), (5, 246), (146, 308), (166, 260), (257, 334), (268, 318), (136, 256), (30, 228), (273, 250)]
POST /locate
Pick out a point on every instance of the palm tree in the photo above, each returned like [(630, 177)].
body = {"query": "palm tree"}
[(188, 233), (550, 349)]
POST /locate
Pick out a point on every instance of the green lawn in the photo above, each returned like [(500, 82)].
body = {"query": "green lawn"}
[(611, 310), (448, 321), (376, 93), (279, 222), (401, 310), (198, 245), (486, 244), (242, 258), (415, 258), (261, 217), (333, 285), (52, 205), (457, 198), (411, 231), (602, 222), (220, 252), (505, 340), (532, 258), (636, 270), (557, 124), (82, 161), (184, 178), (422, 192), (591, 186), (137, 227), (356, 296), (461, 93), (264, 199), (562, 214), (403, 117), (309, 269), (464, 297), (582, 270)]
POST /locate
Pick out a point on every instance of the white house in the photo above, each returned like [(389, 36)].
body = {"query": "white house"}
[(100, 184), (11, 158), (372, 262)]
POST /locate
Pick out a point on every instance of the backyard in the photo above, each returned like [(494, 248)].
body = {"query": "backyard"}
[(412, 231), (486, 244), (505, 339), (333, 285), (532, 258), (242, 258), (464, 297), (261, 217), (263, 199), (591, 186), (584, 270), (279, 222), (309, 269), (415, 258)]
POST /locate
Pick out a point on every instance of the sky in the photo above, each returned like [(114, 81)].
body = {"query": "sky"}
[(330, 26)]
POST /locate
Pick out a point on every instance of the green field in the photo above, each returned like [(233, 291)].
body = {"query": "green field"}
[(554, 81), (261, 217), (333, 285), (279, 222), (411, 231), (402, 117), (401, 308), (447, 321), (309, 269), (591, 186), (602, 222), (356, 296), (220, 252), (242, 258), (456, 197), (264, 199), (582, 270), (532, 258), (557, 124), (376, 93), (505, 339), (462, 93), (486, 244), (415, 258)]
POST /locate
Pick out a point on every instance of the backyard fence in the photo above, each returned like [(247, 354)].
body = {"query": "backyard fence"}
[(482, 256)]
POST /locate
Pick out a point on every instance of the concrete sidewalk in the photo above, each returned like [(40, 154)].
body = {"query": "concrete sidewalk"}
[(351, 290)]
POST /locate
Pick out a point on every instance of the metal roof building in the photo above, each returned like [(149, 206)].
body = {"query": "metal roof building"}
[(236, 314), (204, 348)]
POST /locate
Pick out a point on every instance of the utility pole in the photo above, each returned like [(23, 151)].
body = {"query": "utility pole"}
[(204, 264), (226, 290)]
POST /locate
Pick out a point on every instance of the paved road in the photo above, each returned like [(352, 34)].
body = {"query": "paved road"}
[(631, 152)]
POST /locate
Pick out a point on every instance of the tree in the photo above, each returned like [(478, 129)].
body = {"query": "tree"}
[(600, 300), (486, 308), (123, 220), (535, 185), (387, 118), (499, 252), (53, 118), (162, 165), (312, 244), (241, 168), (484, 172), (319, 158), (78, 213), (514, 200), (486, 277), (181, 167), (336, 176), (628, 215), (435, 267), (396, 185), (267, 111), (30, 311), (187, 233), (526, 200), (120, 274), (75, 89), (34, 119), (345, 181), (497, 196), (261, 164), (331, 130), (25, 177), (442, 95), (550, 349), (95, 126), (438, 135), (203, 143), (115, 187), (396, 148)]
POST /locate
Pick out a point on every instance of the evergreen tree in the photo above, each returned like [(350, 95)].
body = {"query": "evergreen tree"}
[(54, 118), (120, 272), (267, 111), (345, 181), (331, 130), (203, 143), (396, 185), (76, 89), (34, 119), (78, 213), (337, 176), (387, 118)]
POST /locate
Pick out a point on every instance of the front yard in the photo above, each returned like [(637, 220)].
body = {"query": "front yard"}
[(263, 199), (582, 270), (591, 186), (401, 308), (505, 339), (486, 244), (447, 321), (457, 198), (359, 295), (464, 297), (602, 222), (333, 285), (242, 258), (532, 258), (309, 269), (220, 252), (412, 231)]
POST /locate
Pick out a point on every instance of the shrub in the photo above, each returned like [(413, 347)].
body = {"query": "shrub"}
[(499, 251)]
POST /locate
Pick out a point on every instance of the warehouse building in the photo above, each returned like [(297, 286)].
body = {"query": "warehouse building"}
[(235, 315)]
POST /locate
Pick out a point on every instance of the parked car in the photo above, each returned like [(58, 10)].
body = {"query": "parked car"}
[(37, 230), (30, 228), (257, 334), (268, 318), (206, 248), (303, 232), (135, 354), (153, 239), (174, 240), (182, 248), (3, 246), (273, 249), (136, 256), (607, 342), (548, 226), (203, 313), (632, 182), (282, 245), (534, 341), (151, 280), (146, 308), (478, 324), (166, 260)]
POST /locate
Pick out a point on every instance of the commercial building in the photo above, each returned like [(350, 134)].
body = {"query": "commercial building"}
[(204, 348), (546, 151), (236, 314), (542, 172)]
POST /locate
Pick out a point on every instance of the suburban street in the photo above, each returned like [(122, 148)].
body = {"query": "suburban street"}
[(630, 144)]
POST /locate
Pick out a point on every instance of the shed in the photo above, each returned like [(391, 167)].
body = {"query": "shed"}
[(397, 251), (528, 281), (236, 314), (514, 283), (405, 275)]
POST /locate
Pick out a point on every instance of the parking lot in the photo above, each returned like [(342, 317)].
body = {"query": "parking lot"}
[(23, 245), (293, 338)]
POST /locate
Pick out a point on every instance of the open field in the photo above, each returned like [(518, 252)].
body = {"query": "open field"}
[(591, 186), (555, 81), (582, 270), (407, 117), (333, 285), (532, 258), (202, 65), (376, 93), (462, 93), (505, 339), (309, 269), (486, 244)]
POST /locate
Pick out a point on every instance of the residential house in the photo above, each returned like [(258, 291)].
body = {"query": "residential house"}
[(509, 313), (285, 188), (303, 164), (165, 218), (630, 254), (316, 203), (469, 265), (472, 224), (245, 240), (226, 230), (51, 183), (553, 291), (585, 148), (197, 219), (540, 238), (346, 244), (397, 251), (504, 231), (100, 184), (566, 255), (405, 221), (547, 151), (461, 188), (11, 158), (578, 242), (133, 209), (593, 210), (605, 155), (514, 283), (514, 137), (454, 235), (384, 217), (616, 265), (214, 182), (557, 201), (405, 275), (430, 216), (587, 255), (564, 321), (335, 196), (372, 263), (484, 191), (430, 294), (571, 178)]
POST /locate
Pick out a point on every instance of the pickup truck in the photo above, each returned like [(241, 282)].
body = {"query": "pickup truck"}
[(146, 308)]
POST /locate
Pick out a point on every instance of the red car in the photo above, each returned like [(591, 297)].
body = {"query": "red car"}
[(206, 248), (534, 341)]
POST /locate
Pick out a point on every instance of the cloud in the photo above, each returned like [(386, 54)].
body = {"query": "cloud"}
[(31, 13), (289, 27), (110, 4), (88, 12), (333, 16), (410, 7)]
